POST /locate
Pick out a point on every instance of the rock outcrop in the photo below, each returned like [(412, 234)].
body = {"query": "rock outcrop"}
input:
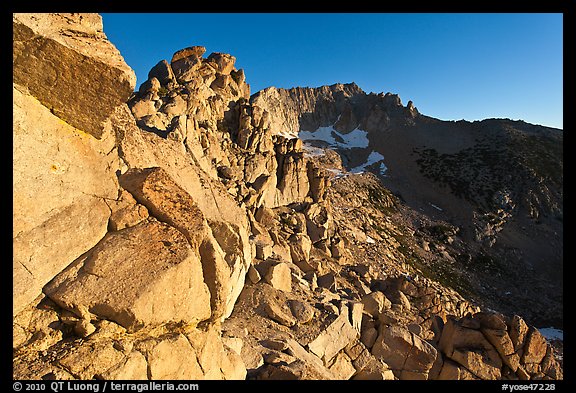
[(116, 257), (204, 106), (68, 78)]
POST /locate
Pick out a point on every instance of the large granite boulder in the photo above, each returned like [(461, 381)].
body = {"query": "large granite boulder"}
[(68, 64), (143, 275)]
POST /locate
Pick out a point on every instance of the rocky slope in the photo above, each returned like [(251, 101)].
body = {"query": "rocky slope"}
[(183, 233), (498, 182)]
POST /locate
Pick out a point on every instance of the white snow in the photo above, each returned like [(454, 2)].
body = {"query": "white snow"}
[(435, 207), (311, 151), (337, 173), (373, 158), (383, 169), (370, 240), (552, 333), (355, 138), (321, 134)]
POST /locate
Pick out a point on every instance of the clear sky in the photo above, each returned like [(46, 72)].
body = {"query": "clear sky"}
[(452, 66)]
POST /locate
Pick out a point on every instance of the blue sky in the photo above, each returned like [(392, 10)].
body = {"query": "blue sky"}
[(452, 66)]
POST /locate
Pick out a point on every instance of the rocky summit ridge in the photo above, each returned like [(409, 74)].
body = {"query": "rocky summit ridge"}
[(184, 231)]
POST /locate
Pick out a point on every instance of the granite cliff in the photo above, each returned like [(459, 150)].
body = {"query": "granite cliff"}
[(184, 231)]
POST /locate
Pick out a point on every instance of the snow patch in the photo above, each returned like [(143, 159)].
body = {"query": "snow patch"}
[(370, 240), (355, 138), (435, 207), (383, 169), (311, 151), (321, 134), (373, 158), (551, 333), (337, 173)]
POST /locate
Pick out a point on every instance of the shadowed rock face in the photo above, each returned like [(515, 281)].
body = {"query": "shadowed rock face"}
[(132, 241)]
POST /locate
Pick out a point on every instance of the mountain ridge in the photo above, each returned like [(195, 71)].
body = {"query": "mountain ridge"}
[(512, 179), (352, 88)]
